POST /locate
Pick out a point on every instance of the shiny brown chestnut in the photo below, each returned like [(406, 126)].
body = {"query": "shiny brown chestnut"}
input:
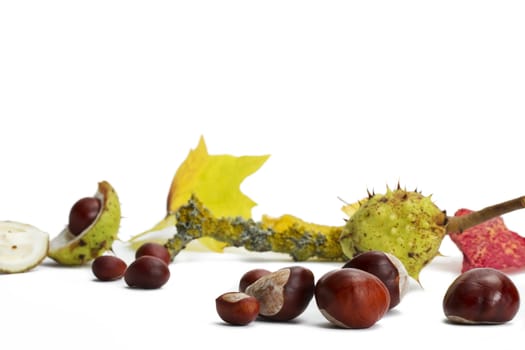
[(237, 308), (388, 268), (154, 249), (82, 214), (481, 296), (108, 267), (147, 272), (251, 276), (283, 294), (351, 298)]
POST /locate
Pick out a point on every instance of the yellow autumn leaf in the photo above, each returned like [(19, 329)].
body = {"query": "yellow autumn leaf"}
[(287, 221), (216, 180), (350, 208)]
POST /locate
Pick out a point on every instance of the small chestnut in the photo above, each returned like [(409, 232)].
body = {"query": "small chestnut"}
[(82, 214), (237, 308), (481, 296), (154, 249), (351, 298), (108, 267), (388, 268), (147, 272), (283, 294), (251, 276)]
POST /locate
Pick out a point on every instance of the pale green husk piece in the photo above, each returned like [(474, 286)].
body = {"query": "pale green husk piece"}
[(68, 249)]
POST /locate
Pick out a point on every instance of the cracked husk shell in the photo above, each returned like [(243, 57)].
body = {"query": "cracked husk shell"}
[(68, 249), (403, 223), (22, 246)]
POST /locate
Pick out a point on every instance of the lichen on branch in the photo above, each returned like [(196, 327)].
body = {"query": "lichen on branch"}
[(302, 241)]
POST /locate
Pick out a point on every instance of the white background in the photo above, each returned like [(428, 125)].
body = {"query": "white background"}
[(344, 95)]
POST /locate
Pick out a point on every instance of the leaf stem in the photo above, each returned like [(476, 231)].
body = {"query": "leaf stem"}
[(458, 224)]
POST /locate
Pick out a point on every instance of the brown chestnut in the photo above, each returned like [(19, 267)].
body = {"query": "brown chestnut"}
[(388, 268), (481, 296), (351, 298), (154, 249), (82, 214), (251, 276), (283, 294), (108, 267), (237, 308), (147, 272)]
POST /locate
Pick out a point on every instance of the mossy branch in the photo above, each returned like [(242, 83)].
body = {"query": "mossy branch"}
[(458, 224), (195, 221)]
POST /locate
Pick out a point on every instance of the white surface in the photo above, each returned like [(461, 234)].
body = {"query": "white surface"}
[(345, 96)]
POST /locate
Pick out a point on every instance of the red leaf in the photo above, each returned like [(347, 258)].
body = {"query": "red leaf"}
[(490, 244)]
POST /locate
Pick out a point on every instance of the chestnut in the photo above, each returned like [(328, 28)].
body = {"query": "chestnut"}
[(82, 214), (251, 276), (481, 296), (147, 272), (108, 267), (388, 268), (351, 298), (237, 308), (283, 294), (154, 249)]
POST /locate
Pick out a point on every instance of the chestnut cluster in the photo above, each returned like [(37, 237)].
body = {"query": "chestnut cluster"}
[(149, 270), (281, 295), (354, 296), (362, 291)]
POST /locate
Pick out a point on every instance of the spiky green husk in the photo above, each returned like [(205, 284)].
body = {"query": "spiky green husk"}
[(68, 249), (403, 223)]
